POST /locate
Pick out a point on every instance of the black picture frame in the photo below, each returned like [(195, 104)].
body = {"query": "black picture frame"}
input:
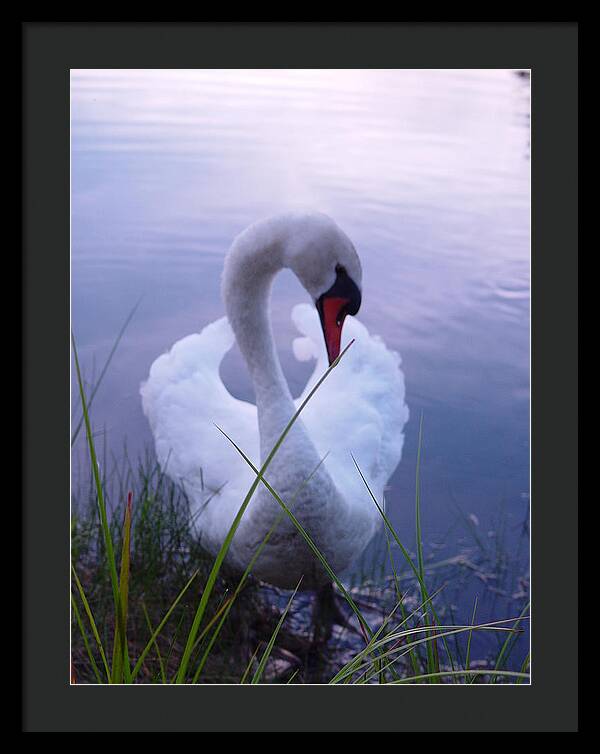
[(49, 51)]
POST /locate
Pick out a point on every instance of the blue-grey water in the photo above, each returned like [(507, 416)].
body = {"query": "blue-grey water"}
[(428, 173)]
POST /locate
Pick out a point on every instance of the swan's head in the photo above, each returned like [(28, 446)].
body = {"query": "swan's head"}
[(326, 263)]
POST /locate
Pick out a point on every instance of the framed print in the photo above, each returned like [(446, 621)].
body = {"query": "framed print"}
[(293, 387)]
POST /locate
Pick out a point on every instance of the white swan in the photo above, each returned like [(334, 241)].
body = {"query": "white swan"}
[(358, 410)]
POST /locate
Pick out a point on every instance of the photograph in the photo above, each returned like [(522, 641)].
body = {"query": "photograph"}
[(300, 374)]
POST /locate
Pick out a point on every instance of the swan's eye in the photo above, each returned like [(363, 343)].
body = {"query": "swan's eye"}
[(340, 269)]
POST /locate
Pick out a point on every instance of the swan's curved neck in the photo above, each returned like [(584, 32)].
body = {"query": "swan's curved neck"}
[(296, 471), (250, 268)]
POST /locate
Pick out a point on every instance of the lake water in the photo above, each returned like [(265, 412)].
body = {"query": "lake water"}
[(428, 173)]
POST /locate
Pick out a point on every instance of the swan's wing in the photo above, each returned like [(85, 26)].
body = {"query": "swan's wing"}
[(183, 399), (359, 409)]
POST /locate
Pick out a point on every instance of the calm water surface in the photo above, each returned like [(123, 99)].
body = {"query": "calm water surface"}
[(428, 173)]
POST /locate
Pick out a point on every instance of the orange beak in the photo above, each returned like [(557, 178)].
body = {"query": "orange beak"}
[(332, 311)]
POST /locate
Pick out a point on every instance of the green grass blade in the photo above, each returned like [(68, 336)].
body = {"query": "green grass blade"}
[(161, 625), (430, 635), (424, 591), (85, 639), (105, 368), (212, 577), (247, 572), (525, 665), (508, 645), (453, 673), (248, 667), (173, 641), (121, 668), (376, 643), (432, 659), (269, 648), (348, 669), (220, 615), (308, 541), (399, 596), (468, 659), (92, 622), (161, 666), (238, 589), (99, 491)]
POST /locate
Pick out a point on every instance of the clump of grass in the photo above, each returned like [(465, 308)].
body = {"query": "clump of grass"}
[(173, 614), (167, 566)]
